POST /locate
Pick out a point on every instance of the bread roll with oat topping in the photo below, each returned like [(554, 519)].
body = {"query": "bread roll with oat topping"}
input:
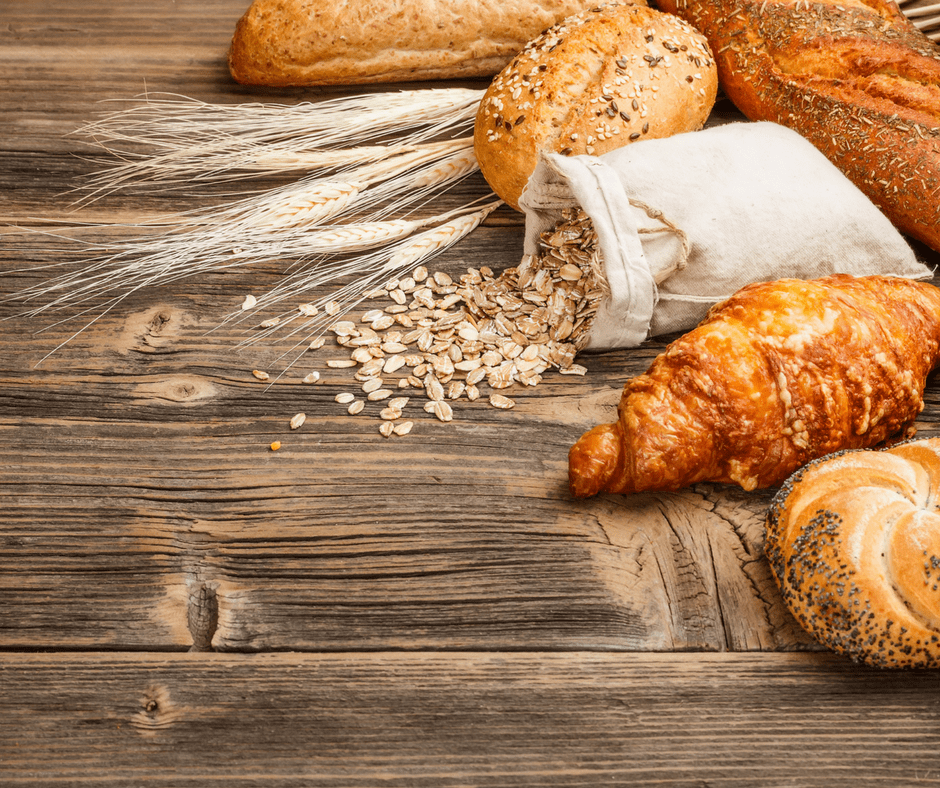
[(853, 540), (601, 79), (778, 375)]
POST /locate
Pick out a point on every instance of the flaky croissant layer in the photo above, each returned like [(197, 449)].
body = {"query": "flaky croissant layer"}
[(779, 374)]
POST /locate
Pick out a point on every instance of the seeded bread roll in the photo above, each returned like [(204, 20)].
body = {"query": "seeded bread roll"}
[(336, 42), (854, 543), (601, 79), (854, 77)]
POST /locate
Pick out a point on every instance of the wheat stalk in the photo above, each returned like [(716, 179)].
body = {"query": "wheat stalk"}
[(311, 201), (370, 270), (175, 141), (169, 142), (433, 241), (346, 238), (387, 244), (312, 206), (285, 223)]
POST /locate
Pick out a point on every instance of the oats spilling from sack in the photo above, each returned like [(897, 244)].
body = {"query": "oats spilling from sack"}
[(442, 340)]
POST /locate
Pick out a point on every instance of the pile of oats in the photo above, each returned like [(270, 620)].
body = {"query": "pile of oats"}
[(442, 341)]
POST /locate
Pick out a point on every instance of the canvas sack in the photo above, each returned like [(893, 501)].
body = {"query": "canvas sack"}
[(685, 221)]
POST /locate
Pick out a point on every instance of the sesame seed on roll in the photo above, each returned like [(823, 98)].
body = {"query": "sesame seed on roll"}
[(601, 79)]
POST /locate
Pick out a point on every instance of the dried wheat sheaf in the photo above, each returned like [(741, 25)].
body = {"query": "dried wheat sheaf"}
[(353, 226), (353, 211)]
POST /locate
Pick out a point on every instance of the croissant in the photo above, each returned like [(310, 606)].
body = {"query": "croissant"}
[(854, 544), (777, 375)]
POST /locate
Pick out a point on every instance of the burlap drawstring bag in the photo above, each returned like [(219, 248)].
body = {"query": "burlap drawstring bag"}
[(683, 222)]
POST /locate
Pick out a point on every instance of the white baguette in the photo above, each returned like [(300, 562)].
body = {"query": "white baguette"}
[(333, 42)]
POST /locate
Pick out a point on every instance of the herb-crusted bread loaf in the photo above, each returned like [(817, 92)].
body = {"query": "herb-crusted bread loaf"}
[(855, 77)]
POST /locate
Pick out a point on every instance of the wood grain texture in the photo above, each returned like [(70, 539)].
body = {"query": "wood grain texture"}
[(438, 720), (143, 508), (428, 611), (139, 477)]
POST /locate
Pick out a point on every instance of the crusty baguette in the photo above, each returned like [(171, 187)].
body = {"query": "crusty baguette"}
[(601, 79), (776, 376), (853, 540), (855, 78), (335, 42)]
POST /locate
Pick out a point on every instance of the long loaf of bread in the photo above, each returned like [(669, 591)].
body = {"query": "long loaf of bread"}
[(855, 77), (335, 42), (776, 376)]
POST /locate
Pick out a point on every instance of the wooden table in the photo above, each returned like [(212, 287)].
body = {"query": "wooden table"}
[(181, 605)]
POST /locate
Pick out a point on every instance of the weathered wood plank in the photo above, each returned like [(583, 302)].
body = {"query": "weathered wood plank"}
[(138, 475), (342, 540), (137, 482), (575, 719)]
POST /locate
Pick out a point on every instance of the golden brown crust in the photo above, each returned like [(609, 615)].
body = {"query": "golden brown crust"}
[(334, 42), (599, 80), (855, 78), (776, 376), (854, 544)]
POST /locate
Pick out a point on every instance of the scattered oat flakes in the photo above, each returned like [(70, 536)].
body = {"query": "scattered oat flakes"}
[(443, 411), (403, 428), (450, 338), (298, 420), (499, 401), (249, 302), (261, 375)]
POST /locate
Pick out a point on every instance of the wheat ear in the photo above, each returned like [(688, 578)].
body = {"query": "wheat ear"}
[(380, 242), (275, 226), (311, 201), (370, 271), (174, 141)]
